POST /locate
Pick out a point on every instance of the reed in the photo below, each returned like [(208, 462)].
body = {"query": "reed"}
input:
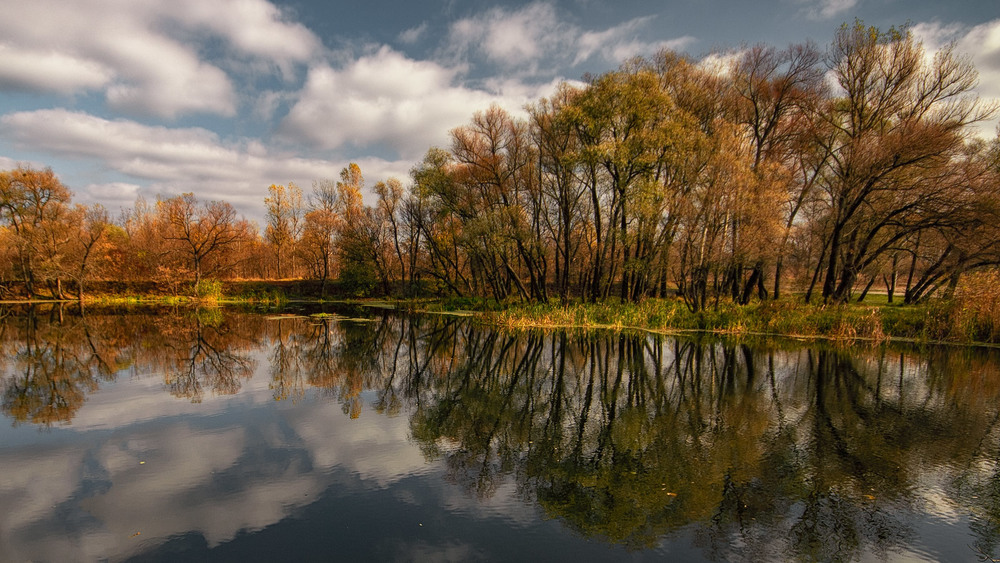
[(843, 322)]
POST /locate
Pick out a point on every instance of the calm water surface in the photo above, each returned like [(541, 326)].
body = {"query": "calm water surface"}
[(164, 435)]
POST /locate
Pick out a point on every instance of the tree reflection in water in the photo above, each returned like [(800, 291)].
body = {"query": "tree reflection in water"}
[(812, 453)]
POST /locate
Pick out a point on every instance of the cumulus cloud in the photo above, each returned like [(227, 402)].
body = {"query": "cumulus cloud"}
[(982, 44), (512, 37), (535, 36), (39, 70), (386, 98), (177, 83), (252, 27), (145, 56), (175, 160)]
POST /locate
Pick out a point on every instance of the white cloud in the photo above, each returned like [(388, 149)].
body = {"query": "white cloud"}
[(385, 98), (534, 37), (720, 63), (617, 43), (982, 44), (146, 55), (120, 194), (161, 77), (35, 70), (512, 38), (175, 160), (10, 163), (252, 27), (412, 35)]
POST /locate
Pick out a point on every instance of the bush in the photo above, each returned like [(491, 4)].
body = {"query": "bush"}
[(209, 290), (973, 314)]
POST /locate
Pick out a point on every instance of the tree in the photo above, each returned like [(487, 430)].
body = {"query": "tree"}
[(890, 137), (319, 232), (970, 238), (433, 213), (284, 214), (622, 121), (92, 225), (204, 232), (555, 142), (390, 201), (137, 249), (776, 90), (355, 241), (495, 169), (32, 204)]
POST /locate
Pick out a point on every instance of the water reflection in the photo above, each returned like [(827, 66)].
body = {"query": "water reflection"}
[(641, 441)]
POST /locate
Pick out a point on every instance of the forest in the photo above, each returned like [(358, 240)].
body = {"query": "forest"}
[(746, 175)]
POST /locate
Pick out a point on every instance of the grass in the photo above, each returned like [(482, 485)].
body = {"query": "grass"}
[(787, 317), (208, 292), (972, 315)]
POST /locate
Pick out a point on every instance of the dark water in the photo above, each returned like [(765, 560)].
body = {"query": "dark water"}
[(158, 435)]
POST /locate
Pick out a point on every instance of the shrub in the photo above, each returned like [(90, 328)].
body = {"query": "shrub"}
[(974, 311), (209, 290)]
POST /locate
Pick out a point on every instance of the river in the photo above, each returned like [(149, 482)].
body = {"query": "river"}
[(349, 433)]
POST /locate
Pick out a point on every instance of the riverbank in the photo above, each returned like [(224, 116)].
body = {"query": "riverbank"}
[(966, 319), (941, 321)]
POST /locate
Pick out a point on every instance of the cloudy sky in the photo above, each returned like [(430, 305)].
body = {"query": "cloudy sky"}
[(124, 98)]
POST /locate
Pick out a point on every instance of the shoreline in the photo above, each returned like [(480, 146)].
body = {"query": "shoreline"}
[(930, 324)]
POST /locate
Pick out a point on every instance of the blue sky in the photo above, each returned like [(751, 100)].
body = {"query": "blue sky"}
[(124, 98)]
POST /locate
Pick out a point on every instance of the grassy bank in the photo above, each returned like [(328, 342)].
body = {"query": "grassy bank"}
[(972, 315), (206, 293), (942, 321)]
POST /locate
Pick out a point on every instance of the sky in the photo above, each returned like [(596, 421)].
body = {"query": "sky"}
[(127, 99)]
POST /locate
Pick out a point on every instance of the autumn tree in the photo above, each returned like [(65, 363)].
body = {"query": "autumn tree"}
[(776, 92), (354, 226), (319, 232), (136, 248), (284, 215), (564, 208), (411, 217), (890, 136), (203, 232), (433, 213), (389, 210), (622, 121), (33, 204), (502, 207), (92, 224), (968, 240)]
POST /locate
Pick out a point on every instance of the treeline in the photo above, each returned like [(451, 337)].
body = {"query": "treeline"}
[(730, 178), (46, 241)]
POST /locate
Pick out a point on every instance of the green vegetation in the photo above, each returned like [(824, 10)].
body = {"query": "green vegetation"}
[(940, 321), (207, 292)]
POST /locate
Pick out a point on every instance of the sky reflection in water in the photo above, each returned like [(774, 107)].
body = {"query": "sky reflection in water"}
[(157, 435)]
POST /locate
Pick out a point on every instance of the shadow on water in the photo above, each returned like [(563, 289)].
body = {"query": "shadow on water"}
[(747, 452)]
